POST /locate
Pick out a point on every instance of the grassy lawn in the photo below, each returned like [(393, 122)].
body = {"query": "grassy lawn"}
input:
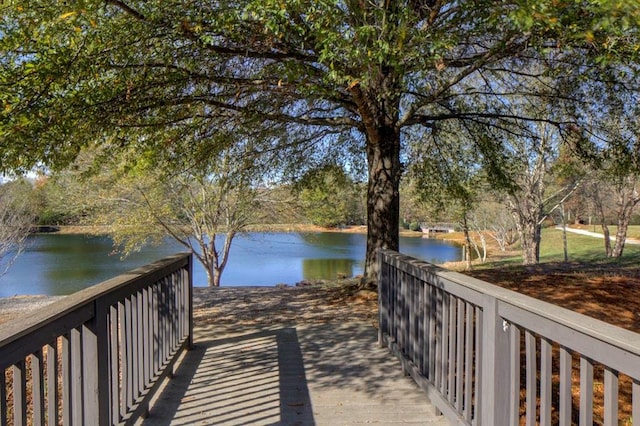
[(580, 248), (632, 232), (583, 248)]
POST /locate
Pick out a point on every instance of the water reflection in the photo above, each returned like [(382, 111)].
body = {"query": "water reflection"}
[(327, 269), (62, 264)]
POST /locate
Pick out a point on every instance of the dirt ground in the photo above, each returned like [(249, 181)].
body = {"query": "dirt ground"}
[(611, 295), (335, 302)]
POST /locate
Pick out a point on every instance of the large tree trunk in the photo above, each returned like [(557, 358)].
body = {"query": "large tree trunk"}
[(378, 107), (383, 197)]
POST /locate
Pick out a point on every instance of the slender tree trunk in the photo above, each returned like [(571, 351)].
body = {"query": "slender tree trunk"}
[(530, 243), (621, 236), (213, 277), (627, 201), (607, 238), (564, 234), (483, 242), (209, 260), (599, 210), (467, 243)]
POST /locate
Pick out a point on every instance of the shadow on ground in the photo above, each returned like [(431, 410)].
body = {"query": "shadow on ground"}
[(256, 378), (310, 374)]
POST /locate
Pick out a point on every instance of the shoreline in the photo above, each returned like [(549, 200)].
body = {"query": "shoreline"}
[(274, 227)]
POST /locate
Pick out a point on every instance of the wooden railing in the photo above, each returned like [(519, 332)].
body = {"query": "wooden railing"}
[(96, 357), (489, 356)]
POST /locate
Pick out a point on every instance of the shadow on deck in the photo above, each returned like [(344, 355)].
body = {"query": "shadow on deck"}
[(327, 374)]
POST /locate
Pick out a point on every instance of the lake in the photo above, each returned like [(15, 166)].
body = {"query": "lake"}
[(62, 264)]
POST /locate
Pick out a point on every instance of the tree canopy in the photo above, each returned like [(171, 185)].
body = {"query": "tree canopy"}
[(324, 78)]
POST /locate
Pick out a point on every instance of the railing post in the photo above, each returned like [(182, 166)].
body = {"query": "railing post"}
[(383, 299), (495, 384)]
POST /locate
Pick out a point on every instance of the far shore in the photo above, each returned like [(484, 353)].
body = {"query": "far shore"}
[(277, 227)]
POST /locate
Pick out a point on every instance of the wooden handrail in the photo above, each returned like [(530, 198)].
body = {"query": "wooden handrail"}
[(467, 343), (98, 355)]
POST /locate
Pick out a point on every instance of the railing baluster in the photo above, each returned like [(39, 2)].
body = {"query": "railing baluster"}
[(37, 388), (52, 382), (402, 323), (514, 349), (390, 307), (135, 348), (586, 391), (460, 351), (174, 313), (156, 328), (123, 355), (142, 343), (433, 333), (468, 362), (420, 326), (66, 380), (148, 342), (128, 373), (610, 397), (169, 289), (530, 348), (114, 362), (635, 391), (19, 393), (162, 300), (3, 398), (411, 319), (166, 344), (565, 387), (426, 331), (451, 368), (545, 382), (479, 363), (76, 377), (444, 348), (90, 405)]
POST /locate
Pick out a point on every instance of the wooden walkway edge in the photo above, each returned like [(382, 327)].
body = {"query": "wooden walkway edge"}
[(309, 374)]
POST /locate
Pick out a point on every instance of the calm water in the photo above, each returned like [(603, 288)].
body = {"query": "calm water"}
[(63, 264)]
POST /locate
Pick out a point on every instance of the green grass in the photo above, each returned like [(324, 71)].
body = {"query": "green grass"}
[(581, 249), (632, 232)]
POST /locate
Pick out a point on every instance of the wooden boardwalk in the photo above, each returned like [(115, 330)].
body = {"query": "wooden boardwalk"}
[(309, 374)]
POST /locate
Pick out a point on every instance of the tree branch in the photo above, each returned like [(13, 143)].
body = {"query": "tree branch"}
[(126, 8)]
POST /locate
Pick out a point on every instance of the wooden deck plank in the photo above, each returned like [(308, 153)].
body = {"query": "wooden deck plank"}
[(308, 374)]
